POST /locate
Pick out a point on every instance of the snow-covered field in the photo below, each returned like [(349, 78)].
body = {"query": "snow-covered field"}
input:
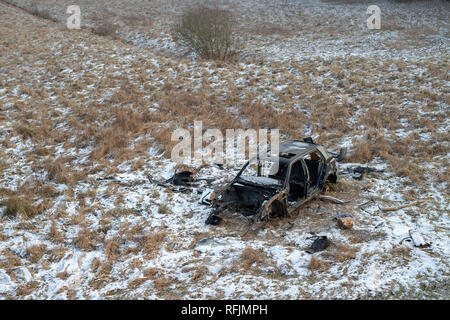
[(84, 119)]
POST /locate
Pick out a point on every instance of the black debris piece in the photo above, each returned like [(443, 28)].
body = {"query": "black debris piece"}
[(417, 240), (359, 172), (341, 215), (181, 178), (213, 220), (319, 244)]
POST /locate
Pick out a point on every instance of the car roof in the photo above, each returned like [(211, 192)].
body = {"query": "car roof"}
[(296, 147)]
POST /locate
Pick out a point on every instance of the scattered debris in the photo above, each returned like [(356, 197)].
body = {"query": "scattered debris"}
[(379, 225), (287, 226), (345, 223), (320, 243), (332, 199), (416, 239), (207, 196), (121, 182), (182, 178), (359, 171), (361, 206), (412, 204), (341, 156), (109, 178), (214, 220)]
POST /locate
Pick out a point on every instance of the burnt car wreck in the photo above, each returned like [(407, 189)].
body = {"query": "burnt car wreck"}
[(301, 173)]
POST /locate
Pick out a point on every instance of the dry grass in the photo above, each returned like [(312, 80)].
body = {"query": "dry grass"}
[(36, 252), (57, 254), (340, 253), (162, 284), (86, 239), (10, 260), (318, 264), (251, 256), (112, 249), (152, 242), (135, 283), (56, 171)]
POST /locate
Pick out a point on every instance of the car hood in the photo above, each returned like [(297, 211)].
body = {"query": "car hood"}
[(259, 181)]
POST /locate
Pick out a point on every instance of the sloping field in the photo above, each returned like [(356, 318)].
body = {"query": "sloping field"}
[(85, 118)]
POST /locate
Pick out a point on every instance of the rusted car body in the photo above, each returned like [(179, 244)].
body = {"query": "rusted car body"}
[(303, 169)]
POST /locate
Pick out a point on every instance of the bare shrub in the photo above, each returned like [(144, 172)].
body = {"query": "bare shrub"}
[(43, 13), (136, 19), (103, 26), (36, 252), (208, 32)]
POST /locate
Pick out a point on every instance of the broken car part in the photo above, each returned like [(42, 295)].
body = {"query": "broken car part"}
[(270, 191), (320, 243), (417, 239), (332, 199), (345, 223), (180, 181)]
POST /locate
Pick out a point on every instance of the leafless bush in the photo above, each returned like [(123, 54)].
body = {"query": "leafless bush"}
[(208, 32), (43, 13), (103, 26)]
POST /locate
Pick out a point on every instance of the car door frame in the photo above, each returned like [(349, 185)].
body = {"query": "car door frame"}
[(321, 170), (306, 175)]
